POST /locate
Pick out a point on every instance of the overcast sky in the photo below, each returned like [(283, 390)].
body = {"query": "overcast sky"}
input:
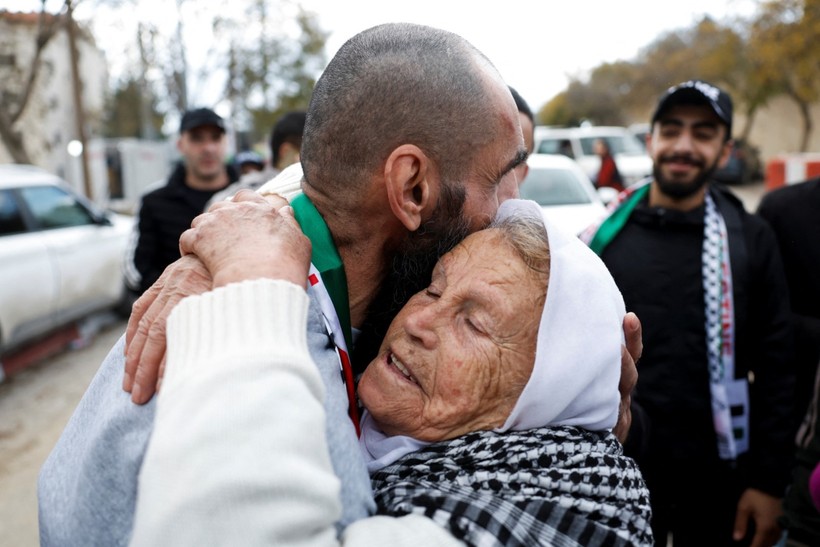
[(535, 44)]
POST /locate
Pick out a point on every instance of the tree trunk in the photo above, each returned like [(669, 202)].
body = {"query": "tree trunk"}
[(751, 111), (12, 140), (807, 125)]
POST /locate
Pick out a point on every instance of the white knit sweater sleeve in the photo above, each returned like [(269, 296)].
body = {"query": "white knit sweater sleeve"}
[(238, 455)]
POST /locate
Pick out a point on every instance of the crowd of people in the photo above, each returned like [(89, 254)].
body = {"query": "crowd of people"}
[(371, 341)]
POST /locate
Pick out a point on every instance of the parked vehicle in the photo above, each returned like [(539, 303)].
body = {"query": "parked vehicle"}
[(564, 192), (577, 143), (641, 131), (60, 256), (743, 167)]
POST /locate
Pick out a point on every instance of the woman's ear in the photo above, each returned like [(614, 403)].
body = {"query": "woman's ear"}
[(407, 175)]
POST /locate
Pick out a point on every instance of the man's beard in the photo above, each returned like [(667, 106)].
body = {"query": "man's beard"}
[(411, 269), (682, 190)]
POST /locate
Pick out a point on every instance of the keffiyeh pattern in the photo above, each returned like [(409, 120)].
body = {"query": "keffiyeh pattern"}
[(548, 486)]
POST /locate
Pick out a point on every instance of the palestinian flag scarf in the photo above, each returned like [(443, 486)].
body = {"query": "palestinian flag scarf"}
[(729, 397)]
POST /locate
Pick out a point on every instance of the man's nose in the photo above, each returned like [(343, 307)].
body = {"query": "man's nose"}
[(684, 142)]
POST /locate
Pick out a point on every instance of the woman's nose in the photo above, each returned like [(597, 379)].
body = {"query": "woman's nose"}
[(420, 325)]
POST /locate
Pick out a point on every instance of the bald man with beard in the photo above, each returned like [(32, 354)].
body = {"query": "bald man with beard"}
[(411, 136)]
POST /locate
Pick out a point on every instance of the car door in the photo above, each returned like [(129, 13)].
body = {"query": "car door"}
[(28, 277), (84, 248)]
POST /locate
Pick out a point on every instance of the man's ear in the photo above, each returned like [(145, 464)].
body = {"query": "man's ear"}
[(407, 177), (725, 152)]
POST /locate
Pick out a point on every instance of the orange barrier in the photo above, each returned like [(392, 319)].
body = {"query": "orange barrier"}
[(791, 168)]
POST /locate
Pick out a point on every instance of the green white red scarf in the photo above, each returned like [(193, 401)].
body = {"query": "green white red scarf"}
[(328, 283)]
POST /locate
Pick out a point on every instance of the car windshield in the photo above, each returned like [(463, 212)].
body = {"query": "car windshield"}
[(550, 186), (618, 144)]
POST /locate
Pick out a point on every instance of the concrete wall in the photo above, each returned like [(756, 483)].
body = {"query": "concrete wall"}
[(778, 128)]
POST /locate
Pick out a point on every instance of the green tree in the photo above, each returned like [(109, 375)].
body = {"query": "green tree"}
[(271, 67), (126, 110)]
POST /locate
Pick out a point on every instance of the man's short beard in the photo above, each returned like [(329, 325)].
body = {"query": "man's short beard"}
[(677, 190), (411, 269)]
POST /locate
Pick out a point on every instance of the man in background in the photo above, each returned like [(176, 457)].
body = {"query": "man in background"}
[(248, 162), (527, 121), (794, 214), (709, 287), (285, 145), (167, 211)]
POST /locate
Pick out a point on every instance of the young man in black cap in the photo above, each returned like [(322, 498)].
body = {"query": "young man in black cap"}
[(707, 281), (285, 146), (167, 211)]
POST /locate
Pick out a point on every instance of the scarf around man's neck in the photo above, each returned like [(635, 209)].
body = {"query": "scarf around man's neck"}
[(729, 397), (549, 486), (328, 283)]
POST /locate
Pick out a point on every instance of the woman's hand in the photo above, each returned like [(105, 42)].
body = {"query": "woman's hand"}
[(250, 237), (257, 237)]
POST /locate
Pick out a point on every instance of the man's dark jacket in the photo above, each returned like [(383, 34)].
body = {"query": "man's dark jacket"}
[(656, 262), (164, 214)]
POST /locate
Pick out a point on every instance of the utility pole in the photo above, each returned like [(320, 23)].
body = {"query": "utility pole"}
[(79, 112)]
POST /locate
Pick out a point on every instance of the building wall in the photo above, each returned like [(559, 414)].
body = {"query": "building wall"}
[(48, 122), (778, 128)]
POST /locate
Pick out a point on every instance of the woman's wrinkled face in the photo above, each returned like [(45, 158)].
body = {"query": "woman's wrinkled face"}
[(457, 356)]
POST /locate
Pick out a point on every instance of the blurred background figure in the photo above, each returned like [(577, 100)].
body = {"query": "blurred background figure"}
[(248, 161), (285, 144), (712, 301), (793, 211), (565, 148), (608, 174), (527, 120), (167, 211)]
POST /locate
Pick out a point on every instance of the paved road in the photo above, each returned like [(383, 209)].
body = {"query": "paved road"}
[(35, 405)]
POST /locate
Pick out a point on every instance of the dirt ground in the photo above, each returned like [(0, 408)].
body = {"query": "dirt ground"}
[(35, 405)]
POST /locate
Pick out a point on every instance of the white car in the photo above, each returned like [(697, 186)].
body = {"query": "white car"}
[(60, 256), (577, 143), (564, 192)]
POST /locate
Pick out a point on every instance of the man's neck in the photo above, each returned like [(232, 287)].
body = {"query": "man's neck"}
[(362, 250), (198, 183), (658, 199)]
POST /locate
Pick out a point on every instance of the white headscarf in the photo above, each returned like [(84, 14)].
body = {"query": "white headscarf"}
[(578, 355), (577, 367)]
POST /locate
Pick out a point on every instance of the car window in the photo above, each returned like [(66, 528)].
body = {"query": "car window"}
[(11, 220), (555, 146), (618, 144), (53, 207), (553, 187), (548, 146)]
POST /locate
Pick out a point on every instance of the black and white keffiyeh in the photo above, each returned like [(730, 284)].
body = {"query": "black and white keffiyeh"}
[(560, 486)]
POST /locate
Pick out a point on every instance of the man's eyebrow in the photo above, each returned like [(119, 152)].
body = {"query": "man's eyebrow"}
[(711, 124), (520, 157), (707, 124), (670, 121)]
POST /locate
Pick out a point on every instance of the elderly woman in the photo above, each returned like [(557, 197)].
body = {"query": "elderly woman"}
[(482, 425)]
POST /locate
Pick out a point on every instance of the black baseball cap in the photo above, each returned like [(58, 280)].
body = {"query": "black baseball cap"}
[(199, 117), (697, 92)]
